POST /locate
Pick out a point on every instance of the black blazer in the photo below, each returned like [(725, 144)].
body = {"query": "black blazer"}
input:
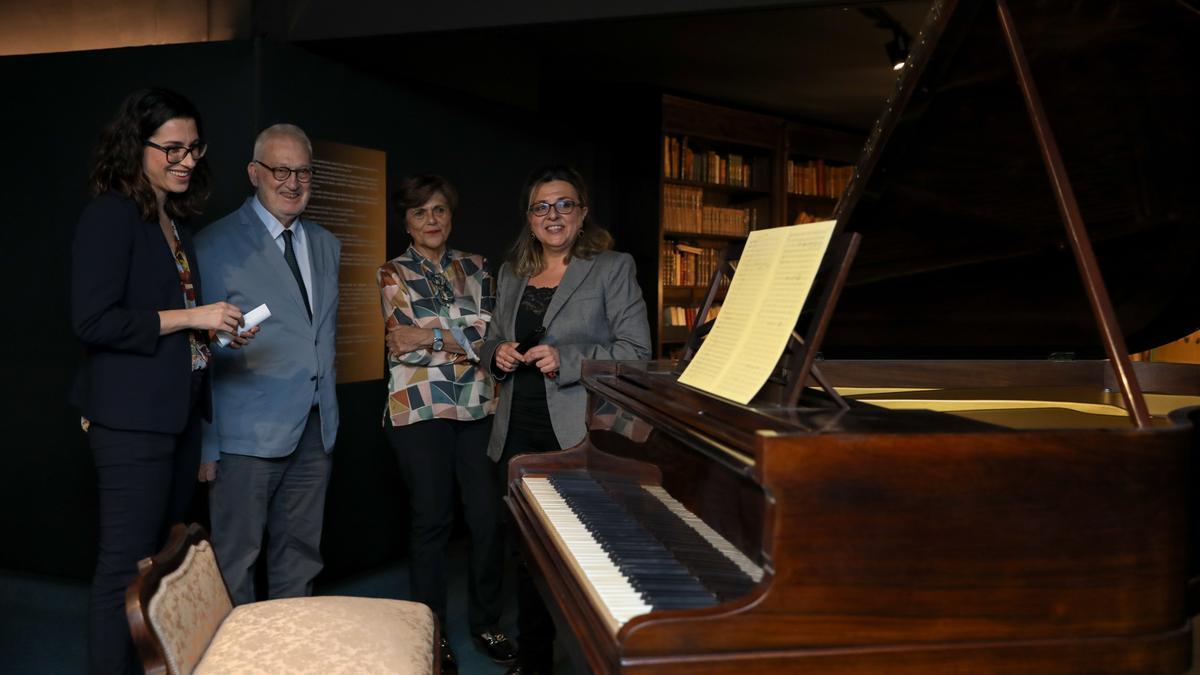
[(122, 274)]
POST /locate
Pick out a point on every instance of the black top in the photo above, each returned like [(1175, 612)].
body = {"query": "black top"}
[(122, 274), (964, 253), (529, 410)]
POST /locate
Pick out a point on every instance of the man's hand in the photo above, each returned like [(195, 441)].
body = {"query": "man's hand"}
[(240, 341), (208, 472)]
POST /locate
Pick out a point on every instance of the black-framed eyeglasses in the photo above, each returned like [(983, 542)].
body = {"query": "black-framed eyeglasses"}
[(283, 173), (176, 153), (562, 206)]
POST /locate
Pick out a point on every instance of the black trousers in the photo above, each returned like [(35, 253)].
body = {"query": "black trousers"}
[(535, 626), (146, 481), (433, 455)]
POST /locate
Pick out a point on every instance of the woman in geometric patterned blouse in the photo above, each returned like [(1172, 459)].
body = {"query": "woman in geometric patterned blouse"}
[(143, 384), (437, 303)]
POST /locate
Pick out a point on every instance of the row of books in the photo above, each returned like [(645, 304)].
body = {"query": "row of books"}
[(708, 166), (817, 179), (686, 316), (683, 265), (684, 210)]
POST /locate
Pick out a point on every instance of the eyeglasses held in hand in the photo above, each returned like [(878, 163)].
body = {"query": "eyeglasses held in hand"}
[(562, 206), (283, 173), (176, 153)]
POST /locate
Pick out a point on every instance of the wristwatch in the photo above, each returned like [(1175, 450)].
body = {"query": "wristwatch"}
[(438, 343)]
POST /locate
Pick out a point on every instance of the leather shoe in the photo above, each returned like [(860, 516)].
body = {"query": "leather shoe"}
[(497, 646), (449, 663)]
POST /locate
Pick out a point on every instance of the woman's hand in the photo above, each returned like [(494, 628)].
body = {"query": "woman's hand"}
[(507, 357), (217, 316), (544, 358), (405, 339)]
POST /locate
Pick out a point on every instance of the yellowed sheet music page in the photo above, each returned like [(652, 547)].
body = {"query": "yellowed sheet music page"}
[(772, 283)]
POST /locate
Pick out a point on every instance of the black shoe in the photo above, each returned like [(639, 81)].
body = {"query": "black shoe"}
[(449, 663), (497, 646)]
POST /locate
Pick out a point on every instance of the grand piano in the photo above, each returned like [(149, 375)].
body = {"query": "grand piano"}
[(1003, 490)]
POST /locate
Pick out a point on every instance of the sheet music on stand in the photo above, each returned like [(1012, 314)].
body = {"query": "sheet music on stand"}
[(774, 278)]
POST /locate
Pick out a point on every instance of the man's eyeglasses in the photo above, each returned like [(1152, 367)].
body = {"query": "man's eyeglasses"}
[(283, 173), (563, 206), (176, 153)]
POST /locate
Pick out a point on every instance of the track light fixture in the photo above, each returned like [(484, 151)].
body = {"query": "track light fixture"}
[(897, 48)]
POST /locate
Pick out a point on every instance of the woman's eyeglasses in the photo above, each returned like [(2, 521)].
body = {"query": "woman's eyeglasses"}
[(176, 153), (562, 206)]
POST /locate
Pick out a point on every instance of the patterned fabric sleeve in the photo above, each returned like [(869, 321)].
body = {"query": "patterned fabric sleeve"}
[(397, 301), (471, 335)]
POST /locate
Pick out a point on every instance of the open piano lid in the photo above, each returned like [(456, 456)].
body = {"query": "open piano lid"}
[(964, 253)]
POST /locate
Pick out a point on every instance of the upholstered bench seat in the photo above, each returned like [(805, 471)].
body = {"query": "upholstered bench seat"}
[(327, 635), (183, 623)]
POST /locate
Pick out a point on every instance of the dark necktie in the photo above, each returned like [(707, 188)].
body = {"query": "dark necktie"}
[(289, 254)]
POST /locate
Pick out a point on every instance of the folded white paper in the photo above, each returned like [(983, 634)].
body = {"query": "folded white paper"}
[(250, 319)]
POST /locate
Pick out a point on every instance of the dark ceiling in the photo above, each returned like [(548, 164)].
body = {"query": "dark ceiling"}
[(821, 64)]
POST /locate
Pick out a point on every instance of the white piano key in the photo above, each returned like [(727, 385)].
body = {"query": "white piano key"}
[(621, 601)]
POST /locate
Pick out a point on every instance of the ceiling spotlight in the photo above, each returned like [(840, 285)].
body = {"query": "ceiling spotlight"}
[(897, 49)]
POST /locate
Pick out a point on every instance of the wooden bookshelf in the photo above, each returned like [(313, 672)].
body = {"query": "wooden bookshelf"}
[(723, 173), (817, 166)]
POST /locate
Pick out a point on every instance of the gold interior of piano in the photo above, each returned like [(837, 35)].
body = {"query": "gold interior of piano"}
[(1024, 408)]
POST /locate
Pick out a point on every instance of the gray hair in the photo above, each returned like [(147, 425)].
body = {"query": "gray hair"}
[(281, 130)]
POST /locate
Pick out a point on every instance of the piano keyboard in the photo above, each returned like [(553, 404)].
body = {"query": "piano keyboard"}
[(635, 548), (752, 570)]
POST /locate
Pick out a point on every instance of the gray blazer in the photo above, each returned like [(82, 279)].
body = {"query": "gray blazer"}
[(597, 313), (263, 392)]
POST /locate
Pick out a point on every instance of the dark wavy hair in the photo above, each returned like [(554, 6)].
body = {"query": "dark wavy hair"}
[(118, 159), (526, 252)]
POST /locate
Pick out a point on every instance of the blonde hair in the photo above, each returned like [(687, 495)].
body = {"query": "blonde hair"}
[(526, 255)]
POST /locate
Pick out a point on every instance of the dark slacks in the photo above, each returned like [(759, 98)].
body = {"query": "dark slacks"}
[(535, 626), (283, 497), (433, 454), (146, 481)]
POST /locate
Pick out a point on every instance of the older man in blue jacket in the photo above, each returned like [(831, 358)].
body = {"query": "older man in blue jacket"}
[(275, 413)]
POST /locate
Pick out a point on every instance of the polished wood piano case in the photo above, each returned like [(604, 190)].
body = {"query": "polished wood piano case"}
[(986, 504)]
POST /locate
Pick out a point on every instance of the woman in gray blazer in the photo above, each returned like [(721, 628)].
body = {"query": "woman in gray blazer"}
[(566, 293)]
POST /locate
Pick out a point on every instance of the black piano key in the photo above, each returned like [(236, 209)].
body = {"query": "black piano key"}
[(719, 573), (673, 603)]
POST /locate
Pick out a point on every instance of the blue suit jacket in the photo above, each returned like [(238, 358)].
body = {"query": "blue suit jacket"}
[(262, 393)]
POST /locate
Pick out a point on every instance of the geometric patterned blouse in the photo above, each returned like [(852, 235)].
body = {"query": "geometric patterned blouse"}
[(458, 295)]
